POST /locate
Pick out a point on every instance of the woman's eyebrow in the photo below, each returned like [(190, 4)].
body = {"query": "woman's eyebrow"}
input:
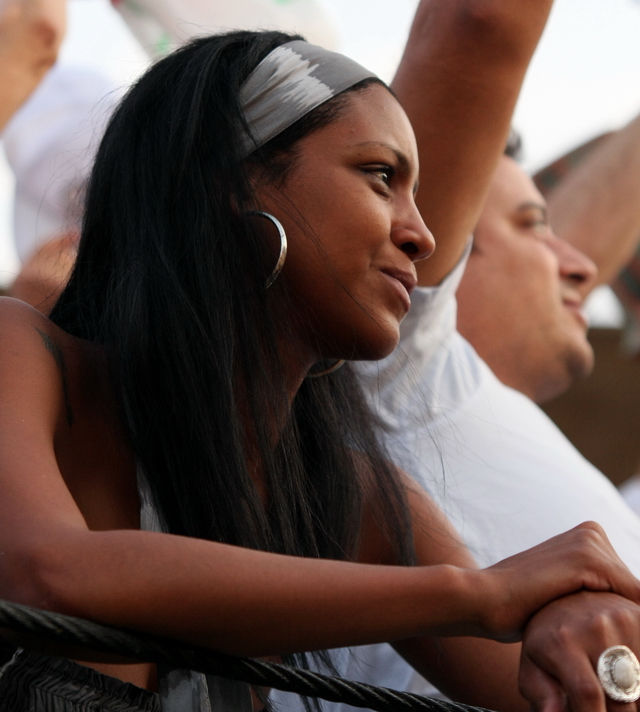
[(403, 162)]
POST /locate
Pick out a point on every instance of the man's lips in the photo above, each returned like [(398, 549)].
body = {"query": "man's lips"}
[(576, 306)]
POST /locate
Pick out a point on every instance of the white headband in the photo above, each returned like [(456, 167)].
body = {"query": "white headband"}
[(289, 82)]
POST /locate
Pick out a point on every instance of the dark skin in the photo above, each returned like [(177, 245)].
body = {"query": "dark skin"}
[(79, 551), (78, 484), (95, 463)]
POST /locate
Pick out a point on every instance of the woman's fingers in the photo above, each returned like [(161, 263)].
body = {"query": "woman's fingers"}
[(565, 682), (580, 559), (615, 575)]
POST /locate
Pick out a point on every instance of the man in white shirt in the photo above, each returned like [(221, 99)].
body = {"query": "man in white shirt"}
[(507, 301), (502, 471)]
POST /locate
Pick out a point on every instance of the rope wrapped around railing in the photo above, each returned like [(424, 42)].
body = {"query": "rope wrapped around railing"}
[(150, 648)]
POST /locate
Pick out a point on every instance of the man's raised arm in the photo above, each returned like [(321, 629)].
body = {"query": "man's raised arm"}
[(458, 80), (597, 206)]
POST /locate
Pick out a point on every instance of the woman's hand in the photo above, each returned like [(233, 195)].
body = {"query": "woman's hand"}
[(561, 646), (539, 596), (497, 602), (580, 559)]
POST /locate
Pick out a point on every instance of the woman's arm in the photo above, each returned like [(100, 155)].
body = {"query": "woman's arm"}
[(228, 598), (482, 672), (30, 35), (458, 81)]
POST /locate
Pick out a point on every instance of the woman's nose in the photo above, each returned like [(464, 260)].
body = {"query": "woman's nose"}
[(413, 237)]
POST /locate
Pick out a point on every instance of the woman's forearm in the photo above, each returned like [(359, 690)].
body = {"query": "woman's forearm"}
[(250, 602), (242, 601)]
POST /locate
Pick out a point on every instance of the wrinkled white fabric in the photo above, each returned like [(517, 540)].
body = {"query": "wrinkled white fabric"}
[(630, 491), (502, 471)]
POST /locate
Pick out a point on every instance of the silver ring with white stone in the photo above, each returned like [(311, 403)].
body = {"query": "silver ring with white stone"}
[(619, 673)]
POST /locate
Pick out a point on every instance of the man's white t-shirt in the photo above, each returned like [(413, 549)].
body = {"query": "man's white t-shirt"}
[(497, 465)]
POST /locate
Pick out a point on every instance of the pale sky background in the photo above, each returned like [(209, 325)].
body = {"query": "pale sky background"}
[(584, 79)]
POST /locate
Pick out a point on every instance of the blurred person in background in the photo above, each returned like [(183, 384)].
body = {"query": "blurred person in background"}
[(50, 146), (598, 196), (30, 35)]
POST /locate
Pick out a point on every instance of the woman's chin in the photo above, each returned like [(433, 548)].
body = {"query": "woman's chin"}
[(374, 350)]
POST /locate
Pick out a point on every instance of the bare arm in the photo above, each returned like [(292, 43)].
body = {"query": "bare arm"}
[(597, 206), (567, 634), (458, 81), (238, 600), (30, 35)]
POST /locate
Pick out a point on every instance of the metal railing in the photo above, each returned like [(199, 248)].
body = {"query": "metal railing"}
[(150, 648)]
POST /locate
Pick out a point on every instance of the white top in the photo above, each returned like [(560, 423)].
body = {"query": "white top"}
[(502, 471), (630, 491)]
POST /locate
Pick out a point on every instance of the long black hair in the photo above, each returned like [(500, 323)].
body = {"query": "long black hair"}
[(170, 279)]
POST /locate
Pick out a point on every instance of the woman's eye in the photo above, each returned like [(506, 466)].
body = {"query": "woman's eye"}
[(383, 172)]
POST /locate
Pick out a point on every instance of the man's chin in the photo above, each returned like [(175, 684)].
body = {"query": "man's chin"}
[(582, 363), (579, 362), (575, 365)]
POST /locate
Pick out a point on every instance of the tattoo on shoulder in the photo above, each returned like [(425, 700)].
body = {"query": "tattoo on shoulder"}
[(54, 349)]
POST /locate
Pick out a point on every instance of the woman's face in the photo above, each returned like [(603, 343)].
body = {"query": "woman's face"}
[(353, 229)]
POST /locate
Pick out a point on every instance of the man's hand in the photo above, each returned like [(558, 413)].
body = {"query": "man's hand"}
[(558, 672)]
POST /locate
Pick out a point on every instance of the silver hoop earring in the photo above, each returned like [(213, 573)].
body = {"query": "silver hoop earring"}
[(283, 245), (338, 364)]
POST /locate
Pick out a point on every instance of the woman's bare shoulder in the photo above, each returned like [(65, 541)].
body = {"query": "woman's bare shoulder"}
[(21, 324), (35, 356), (16, 314)]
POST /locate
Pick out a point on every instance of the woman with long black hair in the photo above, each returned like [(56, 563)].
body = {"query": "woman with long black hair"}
[(180, 450)]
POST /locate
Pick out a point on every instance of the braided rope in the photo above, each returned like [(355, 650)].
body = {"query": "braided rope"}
[(155, 649)]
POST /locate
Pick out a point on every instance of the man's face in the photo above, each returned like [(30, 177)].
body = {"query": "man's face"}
[(520, 300)]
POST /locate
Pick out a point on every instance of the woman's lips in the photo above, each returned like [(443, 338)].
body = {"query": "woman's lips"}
[(403, 282)]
